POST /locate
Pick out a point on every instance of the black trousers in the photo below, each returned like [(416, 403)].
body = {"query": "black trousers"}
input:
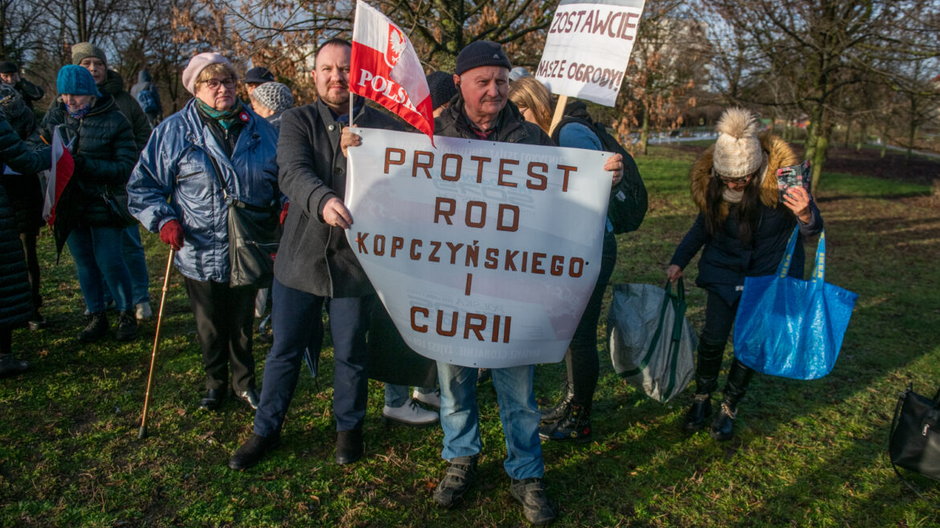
[(224, 319)]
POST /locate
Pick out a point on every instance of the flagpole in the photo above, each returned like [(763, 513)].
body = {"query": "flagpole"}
[(559, 112), (351, 95)]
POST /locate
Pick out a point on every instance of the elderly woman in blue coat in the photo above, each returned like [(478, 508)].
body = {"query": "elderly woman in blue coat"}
[(176, 190)]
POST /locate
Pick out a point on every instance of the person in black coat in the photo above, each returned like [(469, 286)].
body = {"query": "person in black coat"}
[(315, 264), (15, 298), (742, 229)]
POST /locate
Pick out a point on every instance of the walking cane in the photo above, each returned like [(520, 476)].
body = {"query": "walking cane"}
[(156, 344)]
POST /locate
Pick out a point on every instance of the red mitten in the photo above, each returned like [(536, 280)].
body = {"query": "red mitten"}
[(172, 234)]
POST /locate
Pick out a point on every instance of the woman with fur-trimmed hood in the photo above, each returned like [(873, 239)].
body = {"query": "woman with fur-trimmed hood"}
[(742, 228)]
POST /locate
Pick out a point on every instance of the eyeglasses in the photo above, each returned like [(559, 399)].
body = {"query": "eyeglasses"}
[(214, 84)]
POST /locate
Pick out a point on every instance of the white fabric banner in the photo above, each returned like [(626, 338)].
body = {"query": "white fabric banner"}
[(484, 254), (588, 48)]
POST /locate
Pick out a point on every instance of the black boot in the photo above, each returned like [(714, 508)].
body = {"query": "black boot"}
[(574, 425), (553, 414), (127, 326), (706, 381), (96, 328), (738, 379), (349, 446)]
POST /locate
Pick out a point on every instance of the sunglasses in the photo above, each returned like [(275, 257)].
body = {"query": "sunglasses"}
[(742, 179)]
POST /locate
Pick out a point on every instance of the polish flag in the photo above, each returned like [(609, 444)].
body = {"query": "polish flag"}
[(385, 68), (60, 173)]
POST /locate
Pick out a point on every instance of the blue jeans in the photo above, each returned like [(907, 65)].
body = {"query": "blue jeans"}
[(397, 395), (296, 323), (518, 412), (136, 263), (99, 248)]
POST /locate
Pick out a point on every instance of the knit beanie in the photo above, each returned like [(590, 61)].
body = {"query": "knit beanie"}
[(441, 85), (274, 96), (196, 65), (8, 67), (481, 53), (737, 151), (75, 80), (83, 50)]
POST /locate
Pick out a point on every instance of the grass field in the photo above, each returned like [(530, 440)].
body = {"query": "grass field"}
[(805, 454)]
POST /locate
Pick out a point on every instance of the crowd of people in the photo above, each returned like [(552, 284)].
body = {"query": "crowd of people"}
[(176, 176)]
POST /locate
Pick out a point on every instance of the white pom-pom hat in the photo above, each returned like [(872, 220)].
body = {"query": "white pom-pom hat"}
[(738, 151)]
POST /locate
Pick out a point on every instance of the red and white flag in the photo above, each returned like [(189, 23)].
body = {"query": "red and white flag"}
[(59, 175), (385, 68)]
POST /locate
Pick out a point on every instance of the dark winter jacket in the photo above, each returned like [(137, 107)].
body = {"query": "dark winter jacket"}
[(726, 260), (511, 127), (113, 85), (315, 257), (23, 190), (30, 92), (105, 153), (176, 179), (15, 296)]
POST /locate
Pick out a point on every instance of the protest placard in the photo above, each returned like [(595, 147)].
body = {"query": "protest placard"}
[(588, 48), (484, 254)]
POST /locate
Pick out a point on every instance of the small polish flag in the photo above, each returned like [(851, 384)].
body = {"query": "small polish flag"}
[(385, 68), (60, 173)]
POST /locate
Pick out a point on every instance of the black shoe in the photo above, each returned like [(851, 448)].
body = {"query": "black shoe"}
[(451, 489), (252, 451), (349, 446), (213, 399), (10, 366), (37, 321), (531, 494), (96, 328), (127, 326), (574, 425), (723, 426), (697, 415), (552, 415), (249, 396)]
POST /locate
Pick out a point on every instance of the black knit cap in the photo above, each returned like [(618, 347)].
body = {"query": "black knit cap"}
[(8, 67), (481, 53), (258, 75), (441, 86)]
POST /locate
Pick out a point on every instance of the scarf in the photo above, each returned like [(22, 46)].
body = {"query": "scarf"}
[(225, 118), (79, 114)]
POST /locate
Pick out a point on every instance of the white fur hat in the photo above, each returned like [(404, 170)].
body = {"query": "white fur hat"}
[(737, 151)]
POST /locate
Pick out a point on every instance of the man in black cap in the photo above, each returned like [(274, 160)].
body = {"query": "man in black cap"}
[(257, 76), (10, 74), (481, 110)]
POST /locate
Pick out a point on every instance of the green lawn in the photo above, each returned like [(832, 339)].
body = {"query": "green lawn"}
[(806, 453)]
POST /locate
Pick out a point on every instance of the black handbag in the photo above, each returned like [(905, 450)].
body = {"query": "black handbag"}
[(252, 238), (115, 199), (914, 442), (252, 243)]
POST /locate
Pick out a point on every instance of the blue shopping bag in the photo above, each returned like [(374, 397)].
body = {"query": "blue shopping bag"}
[(792, 327)]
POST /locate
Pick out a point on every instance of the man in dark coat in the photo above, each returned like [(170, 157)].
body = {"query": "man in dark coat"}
[(315, 264), (481, 110), (10, 74)]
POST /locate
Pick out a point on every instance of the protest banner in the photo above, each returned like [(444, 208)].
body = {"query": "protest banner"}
[(588, 48), (484, 254), (384, 67)]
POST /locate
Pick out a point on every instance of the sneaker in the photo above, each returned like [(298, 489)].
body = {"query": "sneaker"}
[(96, 328), (536, 507), (142, 311), (451, 489), (410, 414), (10, 366), (428, 398), (127, 326), (574, 425)]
